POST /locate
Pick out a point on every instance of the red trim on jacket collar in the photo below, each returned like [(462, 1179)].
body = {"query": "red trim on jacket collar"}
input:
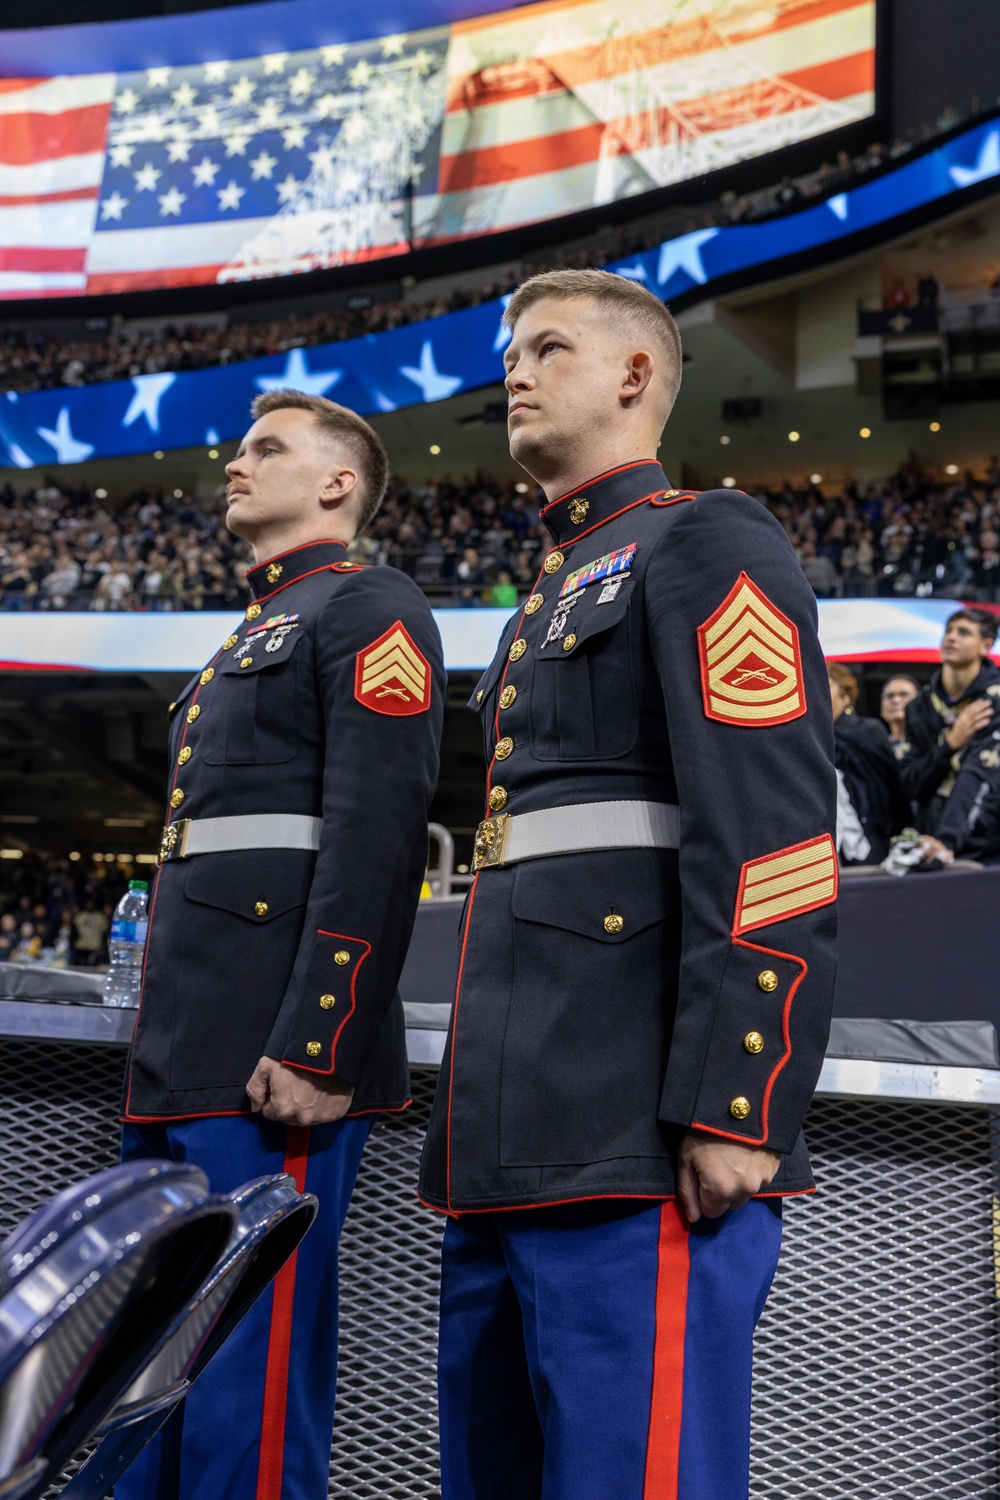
[(607, 495), (257, 575)]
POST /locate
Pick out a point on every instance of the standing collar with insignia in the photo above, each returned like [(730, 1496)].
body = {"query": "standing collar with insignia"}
[(275, 572), (601, 498)]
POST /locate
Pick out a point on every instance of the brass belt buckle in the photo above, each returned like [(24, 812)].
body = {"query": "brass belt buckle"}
[(491, 842), (173, 842)]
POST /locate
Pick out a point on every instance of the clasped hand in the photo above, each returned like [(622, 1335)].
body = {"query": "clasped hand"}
[(293, 1097), (715, 1175)]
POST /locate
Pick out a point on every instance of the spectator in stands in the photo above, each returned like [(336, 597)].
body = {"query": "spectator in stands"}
[(789, 195), (928, 290), (503, 594), (897, 692), (8, 936), (90, 930), (950, 758), (820, 572), (870, 802), (898, 297), (986, 568)]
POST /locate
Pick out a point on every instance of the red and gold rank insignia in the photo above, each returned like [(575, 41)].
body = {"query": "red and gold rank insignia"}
[(391, 676), (751, 667), (786, 884)]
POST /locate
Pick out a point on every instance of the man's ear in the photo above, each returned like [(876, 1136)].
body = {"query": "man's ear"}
[(638, 374), (338, 486)]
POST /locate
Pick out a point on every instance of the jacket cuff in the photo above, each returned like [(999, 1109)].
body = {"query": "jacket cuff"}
[(750, 1047), (320, 1028)]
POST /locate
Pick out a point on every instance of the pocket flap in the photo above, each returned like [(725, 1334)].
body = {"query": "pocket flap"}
[(266, 650), (586, 893), (243, 881), (589, 618)]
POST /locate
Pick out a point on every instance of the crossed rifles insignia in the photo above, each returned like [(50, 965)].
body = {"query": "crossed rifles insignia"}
[(751, 667), (392, 676)]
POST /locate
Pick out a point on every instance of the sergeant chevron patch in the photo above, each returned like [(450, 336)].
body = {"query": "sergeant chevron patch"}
[(751, 667), (786, 884), (391, 676)]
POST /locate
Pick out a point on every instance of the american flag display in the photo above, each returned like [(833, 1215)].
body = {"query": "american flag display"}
[(294, 161)]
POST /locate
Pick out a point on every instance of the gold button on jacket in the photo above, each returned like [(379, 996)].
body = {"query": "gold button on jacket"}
[(313, 1049), (185, 755), (553, 562), (569, 642), (614, 923), (261, 908), (504, 747), (327, 1002), (518, 649), (229, 642), (498, 798), (193, 712), (768, 980), (534, 604), (508, 695), (340, 957), (253, 611), (740, 1108), (247, 661), (176, 798), (207, 676), (753, 1042)]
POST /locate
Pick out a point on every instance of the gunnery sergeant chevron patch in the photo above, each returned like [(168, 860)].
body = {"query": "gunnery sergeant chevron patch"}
[(751, 667), (786, 884), (391, 676)]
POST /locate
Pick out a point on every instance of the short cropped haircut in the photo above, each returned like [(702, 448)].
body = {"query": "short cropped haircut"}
[(346, 428), (845, 680), (644, 315), (986, 622)]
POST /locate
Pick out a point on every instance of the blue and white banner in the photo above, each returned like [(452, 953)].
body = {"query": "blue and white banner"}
[(887, 630), (433, 360)]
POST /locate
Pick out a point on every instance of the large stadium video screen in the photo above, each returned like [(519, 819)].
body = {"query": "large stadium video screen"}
[(252, 167)]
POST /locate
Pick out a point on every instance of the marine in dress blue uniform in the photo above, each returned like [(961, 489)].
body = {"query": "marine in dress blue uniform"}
[(319, 721), (647, 950)]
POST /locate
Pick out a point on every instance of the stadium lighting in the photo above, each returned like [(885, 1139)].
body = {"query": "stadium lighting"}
[(521, 487), (213, 452), (74, 855), (158, 453), (793, 437), (100, 494), (11, 853), (729, 482), (935, 427), (951, 468), (146, 859), (815, 479), (725, 440), (865, 432), (178, 494), (435, 448)]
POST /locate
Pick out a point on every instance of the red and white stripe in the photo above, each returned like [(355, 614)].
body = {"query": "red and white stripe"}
[(52, 147), (558, 91)]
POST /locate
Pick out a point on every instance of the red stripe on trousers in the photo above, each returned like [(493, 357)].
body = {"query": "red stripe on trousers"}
[(663, 1446), (279, 1344)]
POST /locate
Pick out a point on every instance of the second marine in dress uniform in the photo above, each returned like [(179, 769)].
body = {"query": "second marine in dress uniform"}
[(647, 956), (302, 762)]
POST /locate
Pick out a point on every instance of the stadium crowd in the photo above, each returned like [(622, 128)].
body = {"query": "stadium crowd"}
[(477, 542), (58, 913), (31, 359)]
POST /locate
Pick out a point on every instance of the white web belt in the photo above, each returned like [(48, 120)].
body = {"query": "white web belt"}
[(508, 838), (190, 836)]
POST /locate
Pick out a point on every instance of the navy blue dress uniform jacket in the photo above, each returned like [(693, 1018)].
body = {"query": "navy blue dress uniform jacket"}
[(328, 701), (608, 1000), (954, 791)]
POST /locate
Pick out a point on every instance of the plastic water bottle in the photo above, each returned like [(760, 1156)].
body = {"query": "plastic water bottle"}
[(127, 946)]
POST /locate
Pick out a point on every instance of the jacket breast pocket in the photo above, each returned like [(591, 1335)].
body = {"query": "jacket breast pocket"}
[(252, 709), (583, 701), (596, 955)]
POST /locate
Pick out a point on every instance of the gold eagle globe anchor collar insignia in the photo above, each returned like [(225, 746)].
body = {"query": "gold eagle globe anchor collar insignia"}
[(276, 573), (595, 502)]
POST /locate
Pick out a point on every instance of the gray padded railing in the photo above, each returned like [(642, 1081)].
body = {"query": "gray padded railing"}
[(877, 1357)]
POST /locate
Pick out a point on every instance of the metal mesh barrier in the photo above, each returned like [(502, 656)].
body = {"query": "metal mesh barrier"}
[(877, 1356)]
